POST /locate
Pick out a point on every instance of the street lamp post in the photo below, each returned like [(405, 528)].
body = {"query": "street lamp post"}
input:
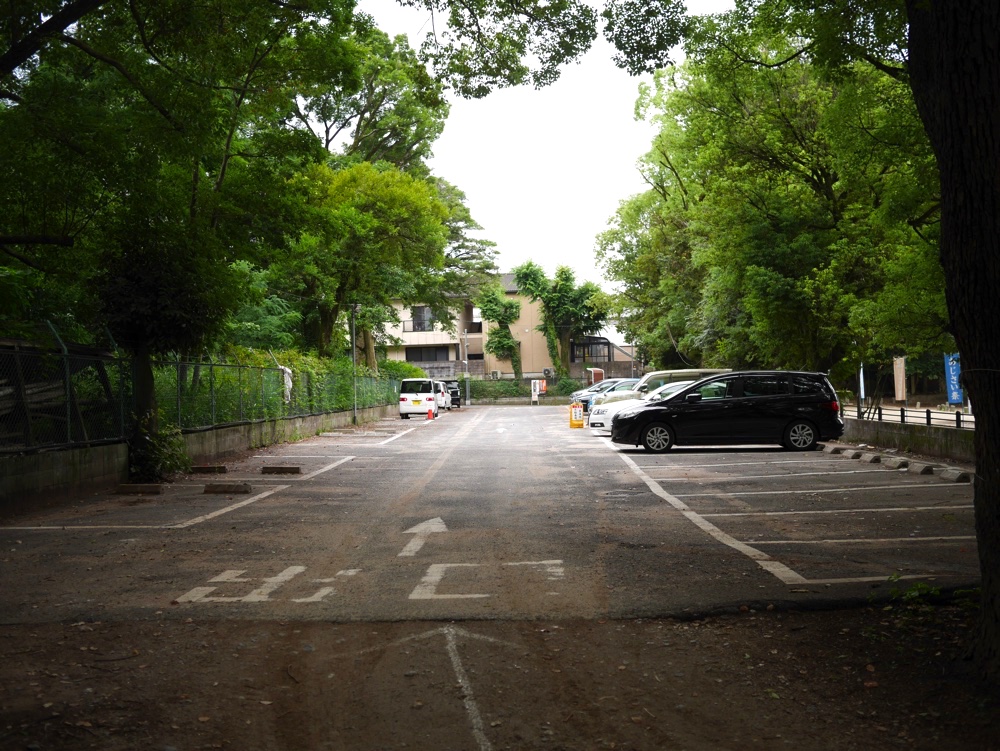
[(468, 394), (354, 365)]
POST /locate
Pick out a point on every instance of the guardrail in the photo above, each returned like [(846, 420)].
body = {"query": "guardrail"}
[(917, 416)]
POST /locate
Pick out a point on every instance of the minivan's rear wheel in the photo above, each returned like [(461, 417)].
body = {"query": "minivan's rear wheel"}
[(800, 436), (657, 438)]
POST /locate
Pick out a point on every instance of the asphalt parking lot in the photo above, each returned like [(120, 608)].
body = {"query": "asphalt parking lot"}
[(490, 579), (836, 516)]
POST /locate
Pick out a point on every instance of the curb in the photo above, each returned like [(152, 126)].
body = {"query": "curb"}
[(948, 474)]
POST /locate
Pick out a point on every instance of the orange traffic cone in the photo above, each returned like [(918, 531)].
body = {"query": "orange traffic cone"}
[(430, 414)]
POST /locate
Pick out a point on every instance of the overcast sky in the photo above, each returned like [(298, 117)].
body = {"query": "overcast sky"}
[(543, 170)]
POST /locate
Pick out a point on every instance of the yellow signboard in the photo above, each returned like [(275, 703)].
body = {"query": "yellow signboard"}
[(576, 415)]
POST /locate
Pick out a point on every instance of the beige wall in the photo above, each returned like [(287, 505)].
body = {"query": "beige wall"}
[(534, 351)]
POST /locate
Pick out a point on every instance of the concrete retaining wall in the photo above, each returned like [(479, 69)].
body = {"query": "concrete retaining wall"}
[(944, 443), (33, 480)]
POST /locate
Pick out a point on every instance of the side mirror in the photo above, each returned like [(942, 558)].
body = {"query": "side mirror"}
[(643, 388), (695, 397)]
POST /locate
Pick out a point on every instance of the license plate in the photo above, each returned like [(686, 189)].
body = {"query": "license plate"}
[(416, 401)]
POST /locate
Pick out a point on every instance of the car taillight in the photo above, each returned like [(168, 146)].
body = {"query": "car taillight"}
[(402, 398), (832, 406)]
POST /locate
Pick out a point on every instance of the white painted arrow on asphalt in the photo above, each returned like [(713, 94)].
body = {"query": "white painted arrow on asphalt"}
[(421, 532)]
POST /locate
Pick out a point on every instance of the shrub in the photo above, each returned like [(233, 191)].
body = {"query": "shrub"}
[(566, 386), (152, 458), (499, 389)]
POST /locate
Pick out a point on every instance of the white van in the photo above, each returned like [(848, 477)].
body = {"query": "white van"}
[(417, 396)]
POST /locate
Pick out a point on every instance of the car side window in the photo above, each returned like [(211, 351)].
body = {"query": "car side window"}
[(765, 385), (724, 389), (805, 385)]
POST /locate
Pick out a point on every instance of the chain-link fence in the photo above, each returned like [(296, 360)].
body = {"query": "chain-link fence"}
[(203, 394), (53, 399)]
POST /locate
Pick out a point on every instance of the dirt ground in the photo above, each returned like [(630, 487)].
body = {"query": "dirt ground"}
[(870, 678)]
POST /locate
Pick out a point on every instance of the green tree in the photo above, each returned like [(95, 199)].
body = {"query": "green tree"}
[(373, 236), (568, 311), (947, 53), (394, 116), (174, 112), (497, 307)]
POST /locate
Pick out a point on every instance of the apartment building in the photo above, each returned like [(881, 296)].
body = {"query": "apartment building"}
[(447, 353)]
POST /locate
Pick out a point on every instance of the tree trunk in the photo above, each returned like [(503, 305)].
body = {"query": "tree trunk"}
[(368, 343), (564, 348), (955, 76), (146, 410)]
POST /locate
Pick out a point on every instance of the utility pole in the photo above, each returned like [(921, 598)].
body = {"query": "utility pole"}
[(468, 393)]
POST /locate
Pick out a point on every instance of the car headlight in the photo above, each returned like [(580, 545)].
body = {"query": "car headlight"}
[(627, 414), (599, 410)]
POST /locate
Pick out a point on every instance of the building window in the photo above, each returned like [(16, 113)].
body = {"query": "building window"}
[(591, 349), (427, 354), (423, 319)]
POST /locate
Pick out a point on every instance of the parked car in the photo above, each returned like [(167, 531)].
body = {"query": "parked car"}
[(596, 388), (602, 414), (417, 396), (791, 408), (455, 392), (623, 385), (442, 395), (656, 378)]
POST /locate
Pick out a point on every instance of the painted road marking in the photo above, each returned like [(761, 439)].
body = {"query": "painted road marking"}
[(780, 570), (866, 540), (327, 468), (427, 588), (421, 532), (226, 510), (741, 478), (944, 507), (451, 635), (815, 491), (264, 592), (740, 464), (261, 594)]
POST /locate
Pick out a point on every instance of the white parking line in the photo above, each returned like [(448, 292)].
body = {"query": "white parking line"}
[(226, 510), (946, 507), (741, 478), (817, 491), (872, 540), (741, 464), (327, 468), (778, 569)]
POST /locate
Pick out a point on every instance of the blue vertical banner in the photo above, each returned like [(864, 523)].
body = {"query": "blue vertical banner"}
[(952, 373)]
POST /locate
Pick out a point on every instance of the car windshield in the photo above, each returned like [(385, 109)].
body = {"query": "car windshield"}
[(416, 387), (624, 386)]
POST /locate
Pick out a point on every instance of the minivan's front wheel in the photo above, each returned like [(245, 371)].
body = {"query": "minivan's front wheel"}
[(800, 436), (657, 438)]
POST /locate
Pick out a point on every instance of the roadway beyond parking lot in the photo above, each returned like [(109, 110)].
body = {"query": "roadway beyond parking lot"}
[(493, 579)]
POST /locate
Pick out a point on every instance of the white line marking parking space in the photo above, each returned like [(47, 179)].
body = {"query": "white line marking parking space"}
[(781, 571)]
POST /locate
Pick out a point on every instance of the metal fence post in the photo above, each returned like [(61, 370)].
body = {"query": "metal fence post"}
[(928, 418), (177, 382), (902, 415), (211, 386), (958, 420)]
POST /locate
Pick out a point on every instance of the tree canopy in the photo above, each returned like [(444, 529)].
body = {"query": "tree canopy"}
[(568, 311)]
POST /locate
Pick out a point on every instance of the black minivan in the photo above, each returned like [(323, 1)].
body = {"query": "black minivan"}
[(791, 408)]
